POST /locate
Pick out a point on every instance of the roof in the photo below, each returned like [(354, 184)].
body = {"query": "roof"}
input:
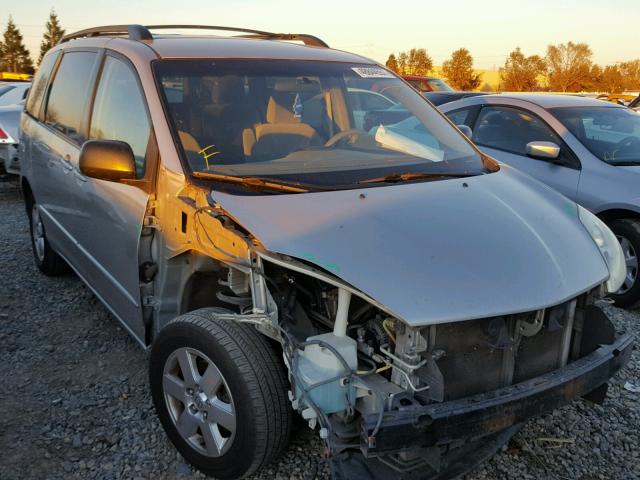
[(256, 44), (208, 46), (553, 100)]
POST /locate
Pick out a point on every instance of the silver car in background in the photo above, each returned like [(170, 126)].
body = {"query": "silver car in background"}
[(586, 149), (12, 100)]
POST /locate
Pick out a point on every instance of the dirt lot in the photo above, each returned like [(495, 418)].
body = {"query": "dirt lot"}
[(75, 402)]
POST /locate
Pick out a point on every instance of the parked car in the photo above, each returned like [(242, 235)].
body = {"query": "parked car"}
[(414, 301), (9, 139), (618, 98), (12, 99), (427, 84), (13, 93), (439, 98), (586, 149)]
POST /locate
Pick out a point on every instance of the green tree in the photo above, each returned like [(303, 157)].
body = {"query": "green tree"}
[(392, 63), (459, 71), (14, 55), (52, 34), (520, 73), (569, 66)]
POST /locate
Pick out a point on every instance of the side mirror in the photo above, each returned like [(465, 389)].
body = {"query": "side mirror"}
[(466, 130), (107, 160), (544, 150)]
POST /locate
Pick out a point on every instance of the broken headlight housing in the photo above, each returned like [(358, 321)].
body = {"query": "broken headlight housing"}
[(609, 248)]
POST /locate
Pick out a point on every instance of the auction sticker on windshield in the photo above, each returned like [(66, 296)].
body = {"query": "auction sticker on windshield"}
[(372, 72)]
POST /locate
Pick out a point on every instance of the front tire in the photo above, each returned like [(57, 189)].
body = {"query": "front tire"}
[(628, 233), (220, 391)]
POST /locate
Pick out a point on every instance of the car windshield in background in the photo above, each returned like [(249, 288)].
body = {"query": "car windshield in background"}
[(324, 124), (610, 133), (438, 85)]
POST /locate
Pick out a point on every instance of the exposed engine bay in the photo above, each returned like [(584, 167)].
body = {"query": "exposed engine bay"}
[(351, 363)]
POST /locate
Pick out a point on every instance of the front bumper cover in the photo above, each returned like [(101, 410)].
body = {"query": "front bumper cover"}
[(492, 412)]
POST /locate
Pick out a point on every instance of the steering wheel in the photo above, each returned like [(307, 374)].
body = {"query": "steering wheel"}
[(346, 133), (626, 143)]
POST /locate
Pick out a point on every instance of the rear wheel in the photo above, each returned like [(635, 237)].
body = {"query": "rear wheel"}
[(628, 233), (220, 391), (47, 260)]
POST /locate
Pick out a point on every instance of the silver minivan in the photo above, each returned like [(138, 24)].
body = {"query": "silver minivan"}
[(290, 228)]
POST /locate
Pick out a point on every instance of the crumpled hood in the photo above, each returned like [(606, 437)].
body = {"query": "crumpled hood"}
[(438, 251)]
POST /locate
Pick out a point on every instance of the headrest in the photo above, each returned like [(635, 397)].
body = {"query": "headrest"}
[(296, 85), (227, 89), (280, 108)]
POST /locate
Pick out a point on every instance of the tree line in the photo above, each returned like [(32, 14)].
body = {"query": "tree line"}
[(14, 55), (566, 67)]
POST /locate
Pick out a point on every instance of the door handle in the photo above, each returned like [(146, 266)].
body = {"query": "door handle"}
[(67, 166), (79, 176)]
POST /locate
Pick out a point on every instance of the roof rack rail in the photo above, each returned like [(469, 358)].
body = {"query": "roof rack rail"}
[(142, 33), (134, 32)]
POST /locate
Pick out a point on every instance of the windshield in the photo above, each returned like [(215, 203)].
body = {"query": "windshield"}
[(318, 123), (438, 85), (612, 134)]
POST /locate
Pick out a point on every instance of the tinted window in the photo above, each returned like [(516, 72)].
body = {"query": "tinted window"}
[(438, 85), (612, 134), (510, 129), (417, 84), (459, 117), (14, 96), (297, 121), (69, 94), (40, 83), (119, 111)]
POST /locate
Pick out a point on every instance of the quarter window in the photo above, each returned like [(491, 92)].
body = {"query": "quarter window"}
[(119, 111), (459, 117), (36, 93), (69, 94)]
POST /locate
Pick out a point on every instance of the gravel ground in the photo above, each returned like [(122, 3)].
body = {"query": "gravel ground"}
[(75, 401)]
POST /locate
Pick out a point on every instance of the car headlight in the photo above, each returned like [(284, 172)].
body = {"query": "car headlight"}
[(609, 247)]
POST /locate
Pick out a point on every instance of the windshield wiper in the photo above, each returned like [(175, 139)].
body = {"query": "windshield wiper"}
[(409, 176), (624, 163), (260, 182)]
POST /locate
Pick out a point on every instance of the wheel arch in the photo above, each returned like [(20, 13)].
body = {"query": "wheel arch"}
[(27, 193), (618, 214)]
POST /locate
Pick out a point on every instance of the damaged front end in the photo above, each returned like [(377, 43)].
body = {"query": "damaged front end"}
[(390, 400)]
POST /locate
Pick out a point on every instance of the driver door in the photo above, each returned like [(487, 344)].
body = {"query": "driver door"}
[(110, 238)]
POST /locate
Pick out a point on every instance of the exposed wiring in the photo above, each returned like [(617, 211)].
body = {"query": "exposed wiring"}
[(387, 328), (197, 221)]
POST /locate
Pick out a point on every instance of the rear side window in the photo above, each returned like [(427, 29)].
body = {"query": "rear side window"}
[(36, 93), (119, 111), (69, 94)]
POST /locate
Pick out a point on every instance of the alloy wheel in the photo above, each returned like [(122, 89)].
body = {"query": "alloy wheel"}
[(631, 261), (199, 402), (37, 232)]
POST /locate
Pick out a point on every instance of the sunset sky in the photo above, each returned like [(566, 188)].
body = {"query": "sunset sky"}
[(490, 29)]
